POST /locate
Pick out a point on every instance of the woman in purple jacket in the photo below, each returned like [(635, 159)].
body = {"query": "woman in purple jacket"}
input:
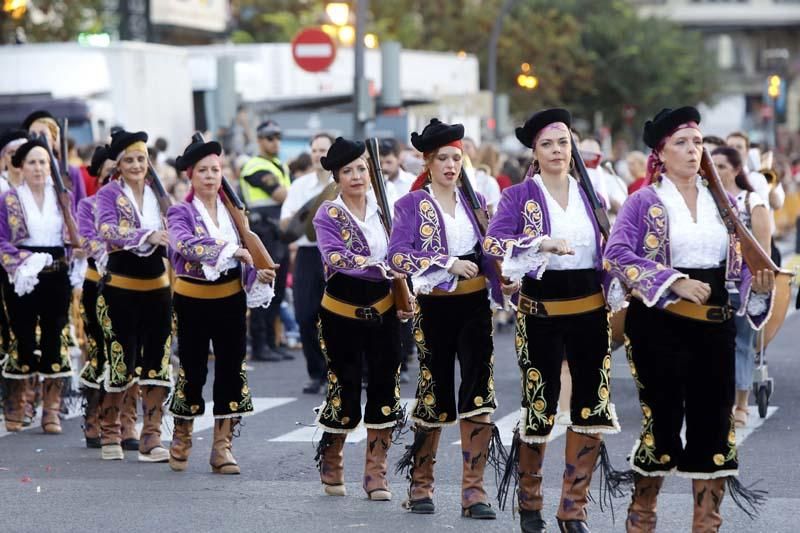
[(436, 239), (215, 283), (546, 235), (670, 250), (357, 322)]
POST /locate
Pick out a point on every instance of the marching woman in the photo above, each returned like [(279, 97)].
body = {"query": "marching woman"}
[(547, 237), (216, 282), (436, 240), (36, 259), (357, 322), (670, 249), (134, 306)]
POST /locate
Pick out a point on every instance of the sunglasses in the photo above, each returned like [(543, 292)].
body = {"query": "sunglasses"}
[(271, 137)]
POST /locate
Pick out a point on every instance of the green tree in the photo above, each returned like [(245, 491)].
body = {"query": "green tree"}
[(54, 20)]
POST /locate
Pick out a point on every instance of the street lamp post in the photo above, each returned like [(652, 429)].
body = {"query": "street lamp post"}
[(360, 93), (492, 66)]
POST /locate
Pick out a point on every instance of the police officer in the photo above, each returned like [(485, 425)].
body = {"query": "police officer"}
[(265, 183)]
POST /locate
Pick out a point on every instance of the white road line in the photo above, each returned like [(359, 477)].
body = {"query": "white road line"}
[(753, 423), (311, 432)]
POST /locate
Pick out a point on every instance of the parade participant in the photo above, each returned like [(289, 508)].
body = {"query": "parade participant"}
[(32, 242), (753, 212), (216, 282), (44, 123), (264, 182), (10, 140), (670, 249), (390, 164), (358, 323), (436, 239), (134, 307), (309, 278), (548, 239)]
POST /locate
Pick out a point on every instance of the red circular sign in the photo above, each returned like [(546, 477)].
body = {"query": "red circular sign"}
[(313, 50)]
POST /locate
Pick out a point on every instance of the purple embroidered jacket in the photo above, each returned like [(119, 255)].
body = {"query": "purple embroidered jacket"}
[(192, 247), (87, 229), (522, 221), (638, 255), (14, 230), (118, 224), (418, 245), (344, 247), (78, 186)]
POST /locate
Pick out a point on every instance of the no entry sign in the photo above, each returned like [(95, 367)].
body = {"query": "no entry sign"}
[(313, 50)]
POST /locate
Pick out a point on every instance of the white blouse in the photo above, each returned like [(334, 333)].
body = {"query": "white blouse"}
[(573, 225), (694, 244), (746, 205), (372, 228), (150, 214), (459, 231), (45, 226), (224, 232)]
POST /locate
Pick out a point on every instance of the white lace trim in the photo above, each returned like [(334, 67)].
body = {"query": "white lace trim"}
[(531, 259), (77, 271), (101, 263), (757, 304), (616, 296), (26, 277), (260, 294), (573, 225), (425, 283), (213, 272)]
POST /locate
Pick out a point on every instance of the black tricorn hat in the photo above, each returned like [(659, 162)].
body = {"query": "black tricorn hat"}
[(122, 139), (11, 135), (666, 121), (99, 157), (436, 134), (341, 152), (36, 115), (528, 131), (196, 151), (22, 151)]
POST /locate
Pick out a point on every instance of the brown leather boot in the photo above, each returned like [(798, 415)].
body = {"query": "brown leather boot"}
[(128, 416), (181, 444), (110, 428), (580, 458), (529, 494), (420, 458), (51, 405), (475, 439), (14, 405), (222, 460), (330, 463), (151, 450), (375, 484), (708, 495), (642, 510), (91, 418)]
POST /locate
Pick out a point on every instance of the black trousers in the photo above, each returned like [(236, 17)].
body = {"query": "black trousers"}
[(5, 324), (447, 328), (262, 321), (346, 343), (48, 307), (222, 322), (309, 286), (684, 370), (542, 343), (92, 372)]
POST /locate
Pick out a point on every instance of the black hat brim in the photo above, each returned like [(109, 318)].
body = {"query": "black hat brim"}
[(342, 152), (99, 157), (22, 151), (665, 122), (195, 152), (436, 134), (36, 115), (122, 140), (538, 121)]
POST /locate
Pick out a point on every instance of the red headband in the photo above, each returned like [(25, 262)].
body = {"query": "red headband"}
[(420, 181), (190, 171), (654, 165)]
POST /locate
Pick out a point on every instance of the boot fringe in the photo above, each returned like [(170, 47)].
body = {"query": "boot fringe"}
[(237, 424), (324, 443), (71, 399), (401, 427), (497, 456), (612, 481), (748, 499), (510, 472), (406, 463)]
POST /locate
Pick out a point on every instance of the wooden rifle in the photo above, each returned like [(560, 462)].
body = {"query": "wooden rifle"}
[(164, 199), (63, 146), (402, 296), (481, 217), (585, 182), (64, 199), (250, 241)]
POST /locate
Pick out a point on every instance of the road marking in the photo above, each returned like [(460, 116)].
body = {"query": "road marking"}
[(507, 424), (308, 433), (753, 423)]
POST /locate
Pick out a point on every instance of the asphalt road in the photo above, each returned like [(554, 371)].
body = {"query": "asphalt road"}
[(53, 483)]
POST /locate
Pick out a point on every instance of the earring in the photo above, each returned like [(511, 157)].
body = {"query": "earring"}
[(536, 167)]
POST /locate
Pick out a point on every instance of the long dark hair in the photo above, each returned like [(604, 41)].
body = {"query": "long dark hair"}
[(735, 160)]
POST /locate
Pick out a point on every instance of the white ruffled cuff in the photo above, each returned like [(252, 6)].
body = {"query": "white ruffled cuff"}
[(757, 304), (26, 277), (77, 271), (616, 296), (213, 272), (101, 264), (530, 260), (260, 294), (425, 283), (386, 272), (144, 248)]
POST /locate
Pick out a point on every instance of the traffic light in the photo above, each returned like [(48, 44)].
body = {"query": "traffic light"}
[(774, 86), (15, 8)]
